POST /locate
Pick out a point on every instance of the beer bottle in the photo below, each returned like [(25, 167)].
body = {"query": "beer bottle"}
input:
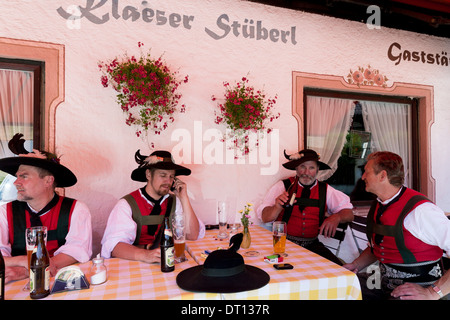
[(292, 193), (167, 248), (39, 269), (2, 277)]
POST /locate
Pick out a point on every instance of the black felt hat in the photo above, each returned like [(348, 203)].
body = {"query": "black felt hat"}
[(298, 158), (158, 160), (41, 159), (224, 271)]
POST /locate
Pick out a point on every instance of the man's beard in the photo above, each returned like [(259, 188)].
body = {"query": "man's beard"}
[(23, 197), (308, 178), (162, 190)]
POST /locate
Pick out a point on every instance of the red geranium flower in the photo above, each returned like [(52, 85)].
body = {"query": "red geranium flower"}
[(146, 90), (245, 110)]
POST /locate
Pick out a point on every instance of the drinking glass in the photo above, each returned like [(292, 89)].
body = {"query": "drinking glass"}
[(279, 232), (222, 216), (179, 237), (234, 228), (30, 240)]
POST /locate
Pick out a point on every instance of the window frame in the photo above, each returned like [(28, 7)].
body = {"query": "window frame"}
[(37, 68), (356, 96), (52, 54), (425, 109)]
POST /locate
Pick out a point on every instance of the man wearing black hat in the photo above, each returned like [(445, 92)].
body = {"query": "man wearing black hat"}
[(68, 221), (317, 208), (134, 225)]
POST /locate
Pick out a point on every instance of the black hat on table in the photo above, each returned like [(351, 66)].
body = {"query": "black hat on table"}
[(224, 271), (41, 159)]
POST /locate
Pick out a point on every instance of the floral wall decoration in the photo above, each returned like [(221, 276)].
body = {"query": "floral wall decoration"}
[(247, 113), (367, 77), (147, 91)]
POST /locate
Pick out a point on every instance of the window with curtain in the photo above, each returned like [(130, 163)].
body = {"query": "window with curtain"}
[(19, 113), (344, 131)]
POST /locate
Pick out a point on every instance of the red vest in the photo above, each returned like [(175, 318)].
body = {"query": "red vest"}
[(49, 219), (304, 224), (145, 207), (387, 250)]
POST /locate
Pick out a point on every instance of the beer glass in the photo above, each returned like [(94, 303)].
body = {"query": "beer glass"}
[(30, 241), (279, 232), (222, 216), (179, 237)]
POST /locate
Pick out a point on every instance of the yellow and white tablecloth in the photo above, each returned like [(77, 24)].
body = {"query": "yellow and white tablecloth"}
[(127, 280), (313, 277)]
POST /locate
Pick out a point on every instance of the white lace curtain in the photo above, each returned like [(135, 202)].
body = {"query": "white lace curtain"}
[(328, 122), (389, 125), (16, 106)]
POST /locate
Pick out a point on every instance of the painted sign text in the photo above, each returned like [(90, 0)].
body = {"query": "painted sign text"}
[(102, 11)]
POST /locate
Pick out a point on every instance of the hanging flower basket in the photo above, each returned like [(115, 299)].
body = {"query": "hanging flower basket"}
[(244, 111), (146, 91)]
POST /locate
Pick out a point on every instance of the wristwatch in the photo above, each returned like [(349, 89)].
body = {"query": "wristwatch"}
[(437, 290)]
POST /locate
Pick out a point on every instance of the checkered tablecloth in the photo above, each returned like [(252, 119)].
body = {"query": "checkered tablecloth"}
[(127, 280), (312, 277)]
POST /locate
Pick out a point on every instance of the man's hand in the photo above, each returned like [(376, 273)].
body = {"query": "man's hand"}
[(153, 256), (129, 252), (282, 199), (15, 273), (351, 267), (412, 291), (180, 188), (329, 225)]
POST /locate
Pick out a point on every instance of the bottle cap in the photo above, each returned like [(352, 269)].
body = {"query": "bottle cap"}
[(98, 259)]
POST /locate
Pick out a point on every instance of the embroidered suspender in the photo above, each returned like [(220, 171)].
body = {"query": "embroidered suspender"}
[(149, 219)]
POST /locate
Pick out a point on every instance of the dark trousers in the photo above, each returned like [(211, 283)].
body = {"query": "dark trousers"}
[(319, 248), (382, 293)]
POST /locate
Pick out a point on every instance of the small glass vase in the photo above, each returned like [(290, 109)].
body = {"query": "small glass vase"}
[(247, 239)]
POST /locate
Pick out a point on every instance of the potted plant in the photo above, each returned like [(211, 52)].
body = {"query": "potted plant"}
[(147, 90), (245, 110)]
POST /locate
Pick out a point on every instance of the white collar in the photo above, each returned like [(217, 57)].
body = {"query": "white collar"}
[(390, 199), (148, 201)]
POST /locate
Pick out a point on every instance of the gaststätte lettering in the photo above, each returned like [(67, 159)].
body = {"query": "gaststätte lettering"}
[(396, 54)]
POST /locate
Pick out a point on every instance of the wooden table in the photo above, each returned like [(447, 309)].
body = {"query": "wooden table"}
[(312, 277)]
